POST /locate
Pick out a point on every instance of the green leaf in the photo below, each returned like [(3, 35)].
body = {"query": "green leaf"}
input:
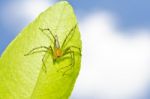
[(25, 76)]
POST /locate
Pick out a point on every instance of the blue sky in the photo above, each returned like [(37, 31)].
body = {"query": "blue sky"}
[(121, 60), (132, 13)]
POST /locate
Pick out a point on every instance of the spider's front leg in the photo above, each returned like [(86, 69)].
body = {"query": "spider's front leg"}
[(49, 36), (40, 50), (37, 50)]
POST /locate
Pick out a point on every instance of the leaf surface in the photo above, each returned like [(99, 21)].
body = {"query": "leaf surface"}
[(23, 77)]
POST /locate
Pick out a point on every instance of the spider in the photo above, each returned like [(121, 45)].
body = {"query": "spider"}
[(57, 51)]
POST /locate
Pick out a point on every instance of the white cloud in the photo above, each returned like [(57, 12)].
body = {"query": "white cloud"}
[(34, 7), (29, 8), (24, 11), (114, 65)]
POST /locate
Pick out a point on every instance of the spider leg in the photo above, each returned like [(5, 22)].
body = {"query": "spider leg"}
[(44, 66), (45, 34), (47, 29), (71, 64), (36, 50), (44, 58), (75, 47), (40, 51), (69, 33)]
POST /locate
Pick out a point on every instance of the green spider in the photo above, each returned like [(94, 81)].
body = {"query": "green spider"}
[(55, 50)]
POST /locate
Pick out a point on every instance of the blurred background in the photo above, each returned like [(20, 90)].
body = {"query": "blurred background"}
[(116, 44)]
